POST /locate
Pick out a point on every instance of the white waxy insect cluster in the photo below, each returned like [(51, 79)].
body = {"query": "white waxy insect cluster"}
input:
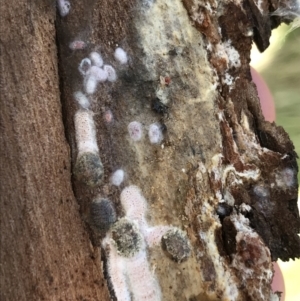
[(84, 66), (117, 177), (121, 55), (82, 100), (96, 59), (135, 130), (155, 133), (99, 74), (143, 283), (127, 243), (95, 71), (77, 45), (134, 203), (85, 132), (63, 7), (111, 73), (88, 167), (94, 76)]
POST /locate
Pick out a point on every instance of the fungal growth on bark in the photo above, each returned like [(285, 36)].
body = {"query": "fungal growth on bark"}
[(219, 171), (127, 238), (88, 168), (126, 246)]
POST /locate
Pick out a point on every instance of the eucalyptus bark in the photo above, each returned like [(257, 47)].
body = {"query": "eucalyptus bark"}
[(217, 149)]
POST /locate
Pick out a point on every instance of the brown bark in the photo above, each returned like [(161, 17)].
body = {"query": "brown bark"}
[(45, 251), (216, 147)]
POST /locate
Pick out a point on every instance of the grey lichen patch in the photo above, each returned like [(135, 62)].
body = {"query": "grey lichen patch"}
[(102, 214), (89, 169), (170, 47), (127, 238), (176, 244), (172, 44)]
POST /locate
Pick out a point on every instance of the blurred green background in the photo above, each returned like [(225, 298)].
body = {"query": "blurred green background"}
[(279, 65)]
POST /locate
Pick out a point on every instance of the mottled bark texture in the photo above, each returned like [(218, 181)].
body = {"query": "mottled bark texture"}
[(221, 174)]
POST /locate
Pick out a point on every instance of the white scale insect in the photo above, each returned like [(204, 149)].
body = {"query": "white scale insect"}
[(63, 7)]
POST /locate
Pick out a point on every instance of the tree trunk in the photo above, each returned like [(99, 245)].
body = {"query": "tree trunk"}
[(161, 181)]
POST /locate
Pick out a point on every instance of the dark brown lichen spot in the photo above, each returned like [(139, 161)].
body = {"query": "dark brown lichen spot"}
[(176, 245), (89, 169), (102, 214), (229, 234)]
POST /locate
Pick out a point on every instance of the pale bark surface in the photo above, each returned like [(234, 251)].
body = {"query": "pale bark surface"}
[(216, 148)]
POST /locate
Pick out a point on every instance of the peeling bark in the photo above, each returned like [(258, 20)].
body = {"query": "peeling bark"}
[(219, 187)]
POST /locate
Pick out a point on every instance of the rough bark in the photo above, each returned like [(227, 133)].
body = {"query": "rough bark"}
[(221, 174), (46, 253)]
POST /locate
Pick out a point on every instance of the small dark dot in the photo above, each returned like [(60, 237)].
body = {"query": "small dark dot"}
[(172, 52)]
